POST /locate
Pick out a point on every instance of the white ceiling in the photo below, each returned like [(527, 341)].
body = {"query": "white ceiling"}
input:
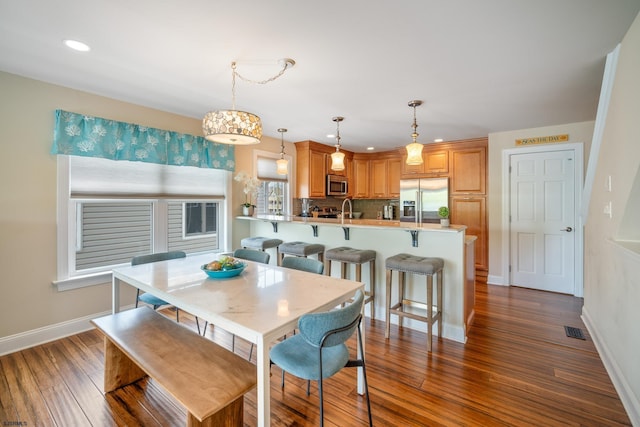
[(480, 66)]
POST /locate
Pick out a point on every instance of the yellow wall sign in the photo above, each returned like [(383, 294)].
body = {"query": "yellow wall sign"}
[(543, 139)]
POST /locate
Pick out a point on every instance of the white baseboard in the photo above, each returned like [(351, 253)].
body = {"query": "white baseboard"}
[(629, 400), (496, 280), (17, 342)]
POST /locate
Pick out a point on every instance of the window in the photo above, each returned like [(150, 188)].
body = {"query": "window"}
[(116, 210), (200, 219), (274, 194)]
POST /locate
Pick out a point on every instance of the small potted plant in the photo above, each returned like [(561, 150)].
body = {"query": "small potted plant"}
[(443, 213)]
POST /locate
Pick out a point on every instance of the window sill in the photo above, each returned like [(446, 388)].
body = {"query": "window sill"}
[(83, 281)]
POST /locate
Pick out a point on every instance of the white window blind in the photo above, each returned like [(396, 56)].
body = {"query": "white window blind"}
[(266, 170), (96, 176)]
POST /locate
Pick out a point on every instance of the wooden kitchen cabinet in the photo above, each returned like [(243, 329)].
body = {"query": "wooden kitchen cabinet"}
[(361, 187), (468, 170), (311, 173), (394, 166), (385, 178), (378, 178), (435, 162), (472, 212)]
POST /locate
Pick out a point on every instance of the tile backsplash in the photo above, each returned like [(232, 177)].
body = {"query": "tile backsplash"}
[(369, 207)]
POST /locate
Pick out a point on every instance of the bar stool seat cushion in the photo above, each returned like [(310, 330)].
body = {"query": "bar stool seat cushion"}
[(300, 248), (346, 254), (260, 243), (414, 264)]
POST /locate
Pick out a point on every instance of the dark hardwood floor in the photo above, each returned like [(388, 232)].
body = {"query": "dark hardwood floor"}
[(518, 368)]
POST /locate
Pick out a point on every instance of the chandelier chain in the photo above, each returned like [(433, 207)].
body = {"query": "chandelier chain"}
[(260, 82)]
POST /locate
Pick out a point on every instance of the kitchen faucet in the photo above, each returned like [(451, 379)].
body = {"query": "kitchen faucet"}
[(350, 209)]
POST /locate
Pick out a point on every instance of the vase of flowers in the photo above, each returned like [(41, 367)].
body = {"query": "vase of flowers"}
[(250, 189)]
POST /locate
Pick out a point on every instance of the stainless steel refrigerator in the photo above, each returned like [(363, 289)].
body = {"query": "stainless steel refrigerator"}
[(421, 198)]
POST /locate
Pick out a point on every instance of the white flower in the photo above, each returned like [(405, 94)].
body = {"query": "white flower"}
[(250, 188)]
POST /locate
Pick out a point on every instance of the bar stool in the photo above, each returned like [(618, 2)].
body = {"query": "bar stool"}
[(300, 249), (346, 255), (261, 244), (413, 264)]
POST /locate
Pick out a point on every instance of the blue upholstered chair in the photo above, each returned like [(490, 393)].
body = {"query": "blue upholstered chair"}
[(319, 351), (252, 255), (305, 264), (145, 259)]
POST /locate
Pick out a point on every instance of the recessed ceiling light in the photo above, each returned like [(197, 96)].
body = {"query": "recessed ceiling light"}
[(331, 135), (438, 140), (371, 148), (77, 45)]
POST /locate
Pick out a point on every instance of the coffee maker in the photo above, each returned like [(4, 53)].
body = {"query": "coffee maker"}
[(388, 211)]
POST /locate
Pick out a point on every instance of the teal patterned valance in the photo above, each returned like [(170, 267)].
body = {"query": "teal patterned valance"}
[(80, 135)]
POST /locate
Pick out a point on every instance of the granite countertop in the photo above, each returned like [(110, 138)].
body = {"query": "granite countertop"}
[(356, 223)]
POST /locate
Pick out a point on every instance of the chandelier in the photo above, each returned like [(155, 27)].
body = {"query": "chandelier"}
[(233, 126), (337, 158), (414, 150)]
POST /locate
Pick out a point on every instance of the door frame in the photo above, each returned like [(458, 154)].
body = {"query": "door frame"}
[(578, 149)]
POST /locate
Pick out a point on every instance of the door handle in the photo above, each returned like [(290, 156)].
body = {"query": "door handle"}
[(568, 229)]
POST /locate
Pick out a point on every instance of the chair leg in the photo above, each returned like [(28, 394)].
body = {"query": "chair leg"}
[(177, 315), (321, 403), (364, 375), (282, 383), (250, 352), (137, 297)]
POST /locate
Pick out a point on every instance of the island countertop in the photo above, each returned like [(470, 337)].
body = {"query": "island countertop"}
[(363, 223), (387, 238)]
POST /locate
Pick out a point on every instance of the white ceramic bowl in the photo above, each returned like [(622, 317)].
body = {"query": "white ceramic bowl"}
[(356, 215)]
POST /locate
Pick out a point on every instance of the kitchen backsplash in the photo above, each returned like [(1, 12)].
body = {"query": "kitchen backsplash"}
[(368, 207)]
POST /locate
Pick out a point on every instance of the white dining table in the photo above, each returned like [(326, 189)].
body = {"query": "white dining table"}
[(260, 305)]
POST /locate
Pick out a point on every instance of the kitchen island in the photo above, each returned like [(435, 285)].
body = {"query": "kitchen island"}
[(387, 238)]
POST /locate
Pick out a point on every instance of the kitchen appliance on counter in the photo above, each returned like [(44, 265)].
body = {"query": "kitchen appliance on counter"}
[(388, 212), (421, 198), (306, 212), (336, 185)]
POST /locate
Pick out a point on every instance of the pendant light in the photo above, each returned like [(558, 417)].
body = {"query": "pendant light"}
[(337, 158), (282, 163), (414, 150), (233, 126)]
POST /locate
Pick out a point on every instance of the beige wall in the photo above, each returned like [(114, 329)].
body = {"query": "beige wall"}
[(28, 199), (499, 141), (612, 273)]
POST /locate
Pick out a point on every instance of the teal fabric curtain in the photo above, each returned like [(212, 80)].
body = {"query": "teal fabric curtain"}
[(81, 135)]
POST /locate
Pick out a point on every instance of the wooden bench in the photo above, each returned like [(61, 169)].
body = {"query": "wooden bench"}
[(208, 380)]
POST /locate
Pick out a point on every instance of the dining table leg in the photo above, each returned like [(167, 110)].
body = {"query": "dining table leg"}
[(263, 394)]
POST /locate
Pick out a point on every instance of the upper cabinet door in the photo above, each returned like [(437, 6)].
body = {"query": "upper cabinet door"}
[(468, 170), (360, 178), (393, 177), (436, 162)]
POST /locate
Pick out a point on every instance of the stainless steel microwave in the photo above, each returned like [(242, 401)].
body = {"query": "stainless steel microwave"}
[(336, 185)]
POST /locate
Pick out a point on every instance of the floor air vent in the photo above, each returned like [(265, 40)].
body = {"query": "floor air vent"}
[(574, 332)]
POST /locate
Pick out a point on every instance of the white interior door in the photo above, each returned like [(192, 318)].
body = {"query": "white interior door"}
[(543, 216)]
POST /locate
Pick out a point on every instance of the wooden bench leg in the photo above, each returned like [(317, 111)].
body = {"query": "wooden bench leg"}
[(229, 416), (119, 370)]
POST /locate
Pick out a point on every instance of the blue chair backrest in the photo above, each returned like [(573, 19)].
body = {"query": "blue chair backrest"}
[(314, 326), (252, 255), (160, 256), (305, 264)]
